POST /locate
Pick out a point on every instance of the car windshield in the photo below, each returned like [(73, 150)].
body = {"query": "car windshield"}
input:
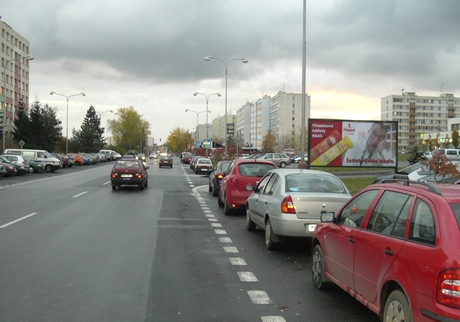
[(305, 182)]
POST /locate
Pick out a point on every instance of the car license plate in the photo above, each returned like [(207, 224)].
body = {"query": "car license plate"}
[(126, 175), (311, 228)]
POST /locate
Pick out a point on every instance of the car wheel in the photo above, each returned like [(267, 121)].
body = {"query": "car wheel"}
[(271, 240), (214, 191), (114, 187), (209, 186), (48, 168), (320, 281), (397, 308), (146, 183), (250, 225), (219, 202), (36, 170), (141, 186), (171, 166), (227, 209), (283, 165)]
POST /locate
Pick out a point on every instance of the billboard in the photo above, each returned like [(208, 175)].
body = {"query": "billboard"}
[(348, 143)]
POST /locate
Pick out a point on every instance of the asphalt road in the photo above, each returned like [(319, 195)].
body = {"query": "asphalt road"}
[(71, 249)]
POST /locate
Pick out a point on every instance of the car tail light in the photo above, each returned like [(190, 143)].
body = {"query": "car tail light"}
[(220, 176), (287, 206), (114, 175), (139, 175), (448, 292)]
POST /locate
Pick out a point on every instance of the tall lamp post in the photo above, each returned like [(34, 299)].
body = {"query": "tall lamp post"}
[(207, 99), (244, 60), (67, 118), (197, 113), (4, 63)]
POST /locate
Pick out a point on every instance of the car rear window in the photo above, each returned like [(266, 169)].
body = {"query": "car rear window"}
[(254, 169), (127, 164), (204, 161), (304, 182), (456, 209)]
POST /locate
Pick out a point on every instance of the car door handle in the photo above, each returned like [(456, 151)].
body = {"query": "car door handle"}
[(388, 252), (351, 240)]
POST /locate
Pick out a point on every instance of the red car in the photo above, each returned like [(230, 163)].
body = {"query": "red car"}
[(129, 172), (395, 247), (232, 193)]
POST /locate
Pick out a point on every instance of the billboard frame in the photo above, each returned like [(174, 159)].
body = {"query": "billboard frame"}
[(352, 144)]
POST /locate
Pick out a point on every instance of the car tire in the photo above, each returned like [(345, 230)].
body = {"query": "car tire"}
[(397, 307), (283, 165), (250, 225), (210, 187), (48, 168), (146, 183), (114, 187), (320, 281), (219, 202), (227, 209), (214, 191), (271, 240), (141, 186)]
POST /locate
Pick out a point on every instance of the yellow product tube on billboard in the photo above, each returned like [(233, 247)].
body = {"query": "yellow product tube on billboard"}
[(333, 152)]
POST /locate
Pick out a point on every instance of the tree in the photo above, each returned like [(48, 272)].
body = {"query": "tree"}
[(269, 142), (179, 140), (416, 155), (441, 165), (90, 136), (40, 129), (455, 136), (129, 130)]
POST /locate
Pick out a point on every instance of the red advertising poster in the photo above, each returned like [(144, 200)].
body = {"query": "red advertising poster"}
[(336, 143)]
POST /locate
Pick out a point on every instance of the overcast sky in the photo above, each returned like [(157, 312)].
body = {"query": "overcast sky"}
[(149, 54)]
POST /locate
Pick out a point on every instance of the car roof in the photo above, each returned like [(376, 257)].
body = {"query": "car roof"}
[(451, 192), (239, 161)]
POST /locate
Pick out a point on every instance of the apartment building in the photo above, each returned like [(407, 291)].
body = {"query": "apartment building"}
[(286, 117), (419, 115), (15, 57)]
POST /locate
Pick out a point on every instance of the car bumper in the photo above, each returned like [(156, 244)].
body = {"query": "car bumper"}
[(204, 170), (290, 225), (126, 181)]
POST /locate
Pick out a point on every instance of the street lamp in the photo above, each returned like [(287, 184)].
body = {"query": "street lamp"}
[(67, 118), (207, 99), (197, 113), (4, 63), (100, 113), (244, 60)]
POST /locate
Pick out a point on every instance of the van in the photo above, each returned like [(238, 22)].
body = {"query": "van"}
[(451, 153), (49, 162), (110, 154)]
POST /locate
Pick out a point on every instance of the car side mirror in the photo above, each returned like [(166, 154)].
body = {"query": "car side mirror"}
[(327, 216)]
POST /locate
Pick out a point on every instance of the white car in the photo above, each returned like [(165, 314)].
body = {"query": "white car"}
[(17, 159), (289, 202)]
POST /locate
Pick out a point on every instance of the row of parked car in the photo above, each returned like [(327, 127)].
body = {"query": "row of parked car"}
[(392, 246), (22, 161)]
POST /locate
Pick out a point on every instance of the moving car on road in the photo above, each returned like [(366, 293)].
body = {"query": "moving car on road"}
[(129, 172), (165, 161)]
